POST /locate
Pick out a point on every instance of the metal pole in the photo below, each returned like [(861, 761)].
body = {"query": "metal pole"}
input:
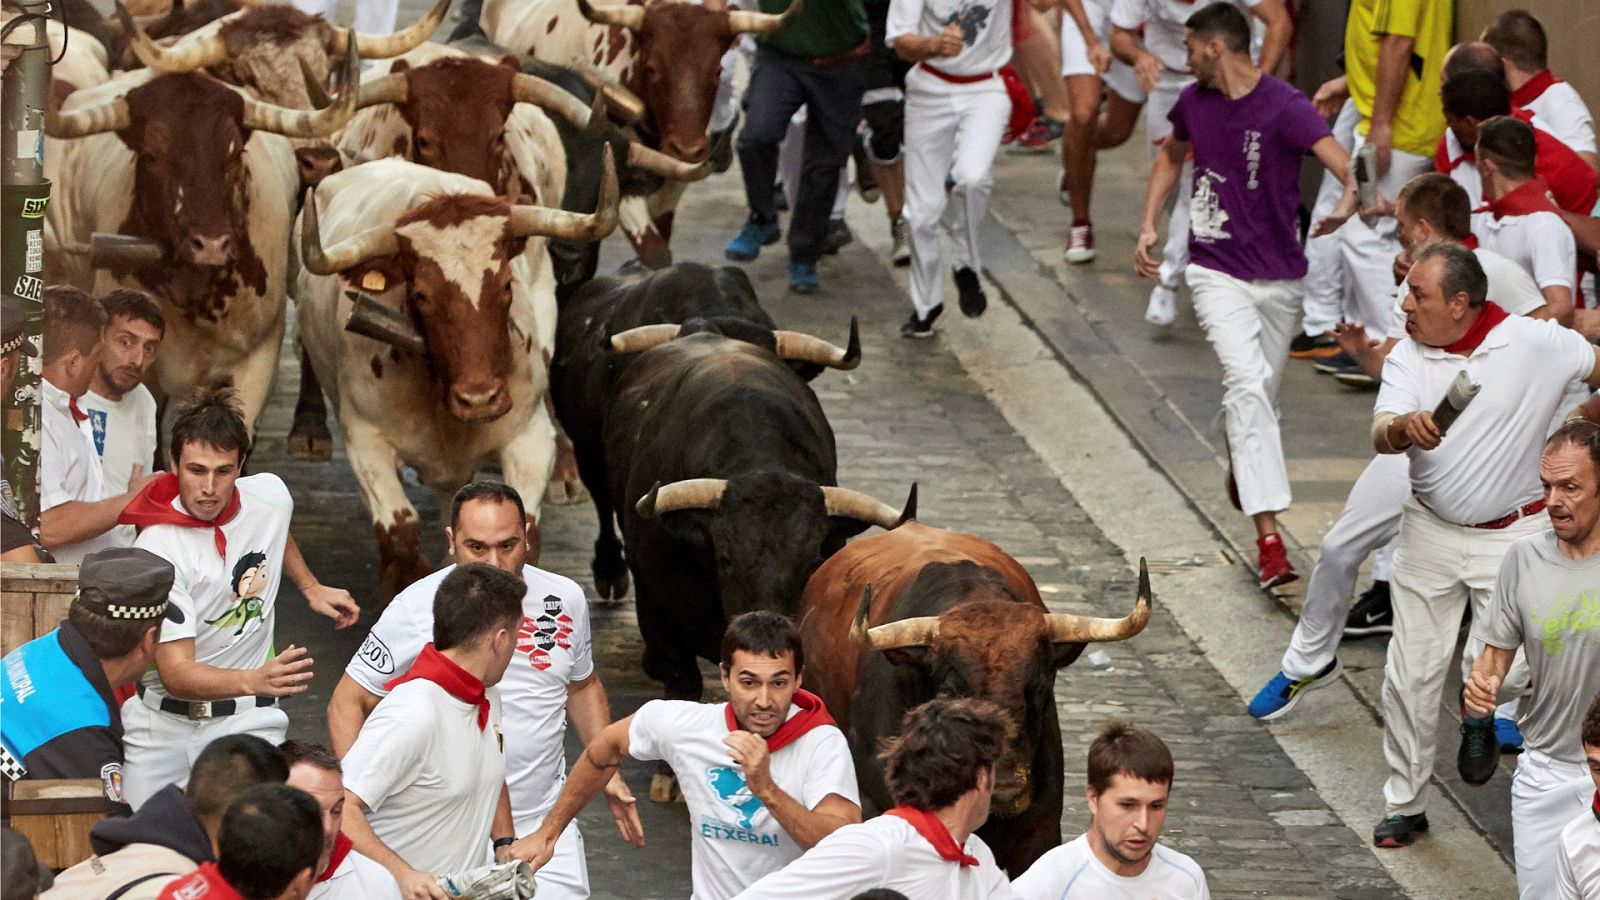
[(24, 193)]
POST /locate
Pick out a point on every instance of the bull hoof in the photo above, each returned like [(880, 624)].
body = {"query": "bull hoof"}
[(664, 789), (610, 581), (310, 442), (565, 493)]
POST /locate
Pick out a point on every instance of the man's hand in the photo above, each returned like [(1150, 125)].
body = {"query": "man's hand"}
[(1381, 137), (536, 849), (1481, 691), (749, 751), (1421, 431), (1402, 267), (1341, 214), (1587, 323), (137, 480), (284, 675), (1331, 96), (1148, 70), (1099, 55), (949, 42), (1352, 338), (624, 810), (416, 885), (335, 603), (1144, 260)]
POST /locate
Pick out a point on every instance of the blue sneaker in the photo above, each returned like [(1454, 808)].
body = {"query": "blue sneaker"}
[(747, 244), (803, 277), (1508, 734), (1281, 693)]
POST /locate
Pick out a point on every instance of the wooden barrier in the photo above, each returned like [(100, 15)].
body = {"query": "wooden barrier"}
[(56, 815), (33, 599)]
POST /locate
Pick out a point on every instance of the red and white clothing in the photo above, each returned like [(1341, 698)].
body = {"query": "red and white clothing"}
[(70, 469), (1524, 227), (204, 883), (888, 852), (1578, 857), (1072, 872), (1569, 177), (734, 838), (1561, 107), (352, 876)]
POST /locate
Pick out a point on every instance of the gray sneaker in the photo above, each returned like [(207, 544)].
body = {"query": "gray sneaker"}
[(900, 250)]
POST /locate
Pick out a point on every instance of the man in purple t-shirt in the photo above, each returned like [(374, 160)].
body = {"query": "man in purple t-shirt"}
[(1248, 132)]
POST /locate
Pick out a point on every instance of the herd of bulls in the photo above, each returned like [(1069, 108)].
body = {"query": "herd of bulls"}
[(435, 222)]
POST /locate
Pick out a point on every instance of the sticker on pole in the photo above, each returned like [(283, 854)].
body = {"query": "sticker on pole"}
[(33, 207)]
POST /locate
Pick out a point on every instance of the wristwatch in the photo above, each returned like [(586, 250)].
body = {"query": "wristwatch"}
[(503, 842)]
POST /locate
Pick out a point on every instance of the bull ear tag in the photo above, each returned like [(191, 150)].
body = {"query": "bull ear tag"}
[(374, 281)]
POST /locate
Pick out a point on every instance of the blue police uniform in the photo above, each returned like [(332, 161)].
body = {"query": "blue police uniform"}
[(58, 717)]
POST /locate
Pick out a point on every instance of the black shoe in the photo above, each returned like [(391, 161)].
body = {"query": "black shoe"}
[(1305, 346), (921, 326), (1399, 831), (1479, 754), (1356, 378), (1341, 362), (838, 235), (973, 300), (1372, 614)]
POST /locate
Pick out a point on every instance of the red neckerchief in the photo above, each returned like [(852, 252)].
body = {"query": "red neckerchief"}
[(1595, 806), (928, 825), (813, 714), (1442, 162), (1488, 317), (1470, 242), (154, 506), (1525, 199), (78, 415), (205, 881), (1535, 86), (431, 665), (341, 849)]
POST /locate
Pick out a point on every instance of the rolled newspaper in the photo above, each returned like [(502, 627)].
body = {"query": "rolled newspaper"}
[(502, 881), (1461, 392)]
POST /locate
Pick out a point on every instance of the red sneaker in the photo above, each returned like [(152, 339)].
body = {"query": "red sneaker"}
[(1080, 244), (1275, 566)]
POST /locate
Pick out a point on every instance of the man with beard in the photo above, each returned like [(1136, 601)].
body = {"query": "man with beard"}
[(122, 413)]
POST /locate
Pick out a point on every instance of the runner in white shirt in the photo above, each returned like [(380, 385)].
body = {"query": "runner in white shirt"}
[(1521, 223), (342, 872), (122, 413), (1129, 781), (228, 538), (552, 677), (941, 773), (1520, 40), (425, 779), (1578, 850), (1475, 492), (766, 775)]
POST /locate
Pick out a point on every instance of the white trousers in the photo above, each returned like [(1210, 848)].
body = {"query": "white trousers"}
[(1369, 520), (1439, 568), (1175, 253), (566, 875), (955, 130), (1546, 794), (1324, 266), (372, 16), (1249, 325), (159, 747), (1368, 251), (791, 154)]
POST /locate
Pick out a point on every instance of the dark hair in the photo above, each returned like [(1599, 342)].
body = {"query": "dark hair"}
[(269, 835), (1438, 199), (73, 320), (21, 875), (1510, 143), (1475, 94), (489, 492), (1517, 36), (1581, 433), (1122, 749), (1462, 272), (763, 633), (134, 305), (210, 416), (943, 745), (1591, 723), (297, 751), (230, 765), (474, 600), (109, 638), (1222, 20), (1471, 56)]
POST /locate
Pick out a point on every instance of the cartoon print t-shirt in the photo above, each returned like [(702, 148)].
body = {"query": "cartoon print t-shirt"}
[(226, 603), (985, 31), (734, 837)]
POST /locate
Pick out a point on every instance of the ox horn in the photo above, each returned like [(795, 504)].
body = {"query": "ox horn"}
[(528, 220), (849, 504), (691, 493), (669, 167), (187, 55), (302, 123), (527, 88), (372, 319), (385, 46), (638, 340), (1070, 629), (625, 103), (623, 15), (391, 88), (316, 92), (803, 347), (917, 632), (345, 254), (740, 21), (111, 115)]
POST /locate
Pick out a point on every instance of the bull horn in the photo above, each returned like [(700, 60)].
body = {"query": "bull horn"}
[(316, 91), (527, 88), (627, 105), (1070, 629), (803, 347), (123, 251), (741, 21), (858, 627), (622, 15), (849, 504), (111, 115), (691, 493), (372, 319), (637, 340), (669, 167), (187, 55), (391, 88), (303, 123), (345, 254), (528, 220), (917, 632), (385, 46)]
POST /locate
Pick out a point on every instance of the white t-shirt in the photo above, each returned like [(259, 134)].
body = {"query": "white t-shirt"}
[(1510, 287), (553, 650), (985, 27), (1162, 21), (1072, 871), (734, 838), (885, 852), (1539, 242), (124, 434), (227, 605), (1565, 115), (357, 878), (69, 470), (1488, 464), (1578, 859), (430, 778)]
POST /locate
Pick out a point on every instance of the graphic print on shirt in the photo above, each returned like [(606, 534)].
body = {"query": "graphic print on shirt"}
[(1206, 215), (1566, 623), (730, 787), (97, 425), (537, 637), (249, 583), (972, 18)]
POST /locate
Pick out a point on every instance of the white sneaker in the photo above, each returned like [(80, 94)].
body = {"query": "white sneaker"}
[(1163, 307), (1080, 244), (900, 251)]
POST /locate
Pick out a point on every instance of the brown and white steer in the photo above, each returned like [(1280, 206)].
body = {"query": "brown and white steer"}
[(457, 377)]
